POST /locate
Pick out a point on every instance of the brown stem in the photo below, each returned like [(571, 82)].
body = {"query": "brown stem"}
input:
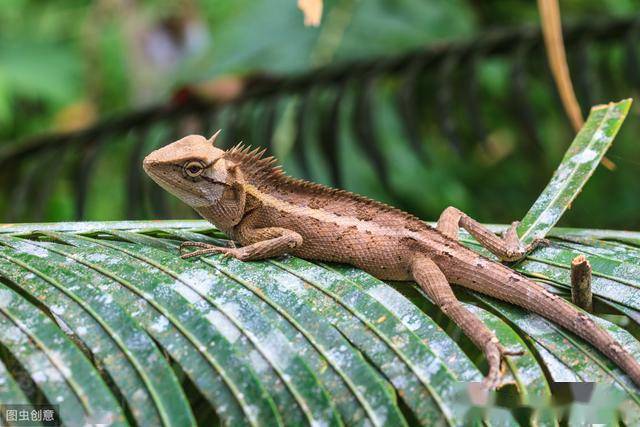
[(554, 42), (552, 31), (581, 283)]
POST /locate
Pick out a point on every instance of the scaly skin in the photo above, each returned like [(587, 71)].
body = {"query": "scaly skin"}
[(271, 214)]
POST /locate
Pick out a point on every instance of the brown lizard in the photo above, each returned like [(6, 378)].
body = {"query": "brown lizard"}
[(247, 197)]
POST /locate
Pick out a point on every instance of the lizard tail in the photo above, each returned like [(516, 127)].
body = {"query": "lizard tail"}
[(507, 285)]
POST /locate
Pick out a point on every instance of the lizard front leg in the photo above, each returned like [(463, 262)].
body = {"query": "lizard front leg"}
[(507, 248), (268, 242), (434, 283)]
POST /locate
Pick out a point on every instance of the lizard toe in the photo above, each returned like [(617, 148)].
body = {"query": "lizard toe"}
[(492, 380), (229, 254), (185, 245), (493, 354), (208, 249), (511, 351), (541, 243)]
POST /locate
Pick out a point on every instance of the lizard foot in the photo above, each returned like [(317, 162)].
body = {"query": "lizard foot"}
[(496, 354), (514, 249), (205, 249)]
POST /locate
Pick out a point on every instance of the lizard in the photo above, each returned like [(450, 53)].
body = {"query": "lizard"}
[(268, 213)]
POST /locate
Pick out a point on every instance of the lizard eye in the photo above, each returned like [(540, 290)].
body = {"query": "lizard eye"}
[(193, 168)]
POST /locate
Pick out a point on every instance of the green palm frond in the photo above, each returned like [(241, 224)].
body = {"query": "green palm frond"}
[(105, 320)]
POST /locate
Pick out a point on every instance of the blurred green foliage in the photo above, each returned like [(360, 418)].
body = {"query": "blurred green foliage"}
[(64, 64), (57, 52)]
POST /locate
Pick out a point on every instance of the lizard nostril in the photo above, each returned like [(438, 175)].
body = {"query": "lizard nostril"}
[(149, 162)]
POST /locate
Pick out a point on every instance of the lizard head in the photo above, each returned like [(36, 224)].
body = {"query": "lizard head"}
[(196, 172)]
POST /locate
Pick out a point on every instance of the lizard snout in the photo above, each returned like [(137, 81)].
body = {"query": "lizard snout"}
[(150, 161)]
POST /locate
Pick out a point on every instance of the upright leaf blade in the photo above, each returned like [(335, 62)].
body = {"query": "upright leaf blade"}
[(578, 164)]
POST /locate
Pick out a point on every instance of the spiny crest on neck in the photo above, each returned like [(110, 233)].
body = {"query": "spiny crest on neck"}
[(253, 163), (264, 174)]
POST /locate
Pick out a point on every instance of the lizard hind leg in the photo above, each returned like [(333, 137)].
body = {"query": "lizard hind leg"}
[(507, 248), (434, 283)]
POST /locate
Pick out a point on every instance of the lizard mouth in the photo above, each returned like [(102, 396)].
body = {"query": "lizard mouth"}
[(156, 171)]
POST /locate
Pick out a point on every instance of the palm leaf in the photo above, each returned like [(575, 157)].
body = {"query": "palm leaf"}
[(306, 341), (577, 166), (106, 321)]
